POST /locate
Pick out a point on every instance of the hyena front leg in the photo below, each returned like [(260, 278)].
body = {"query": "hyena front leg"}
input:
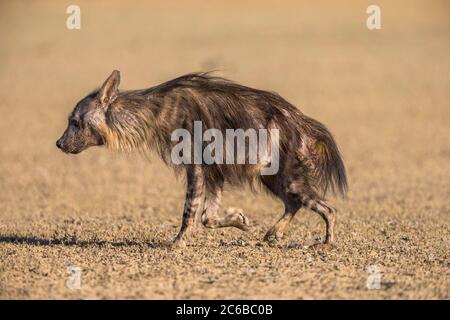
[(194, 196), (211, 219)]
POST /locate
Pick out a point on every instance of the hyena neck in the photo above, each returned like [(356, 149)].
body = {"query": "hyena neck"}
[(128, 122)]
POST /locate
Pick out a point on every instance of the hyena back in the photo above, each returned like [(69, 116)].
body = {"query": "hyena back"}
[(143, 120)]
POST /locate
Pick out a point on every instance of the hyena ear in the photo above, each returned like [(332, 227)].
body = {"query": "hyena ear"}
[(110, 88)]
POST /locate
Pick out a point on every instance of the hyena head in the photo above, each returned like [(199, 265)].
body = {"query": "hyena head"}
[(87, 122)]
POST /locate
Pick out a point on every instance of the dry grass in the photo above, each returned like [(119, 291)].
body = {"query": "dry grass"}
[(385, 94)]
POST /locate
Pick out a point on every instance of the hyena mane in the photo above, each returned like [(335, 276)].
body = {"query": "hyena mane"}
[(143, 120)]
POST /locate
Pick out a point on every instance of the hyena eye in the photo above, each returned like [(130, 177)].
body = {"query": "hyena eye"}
[(74, 123)]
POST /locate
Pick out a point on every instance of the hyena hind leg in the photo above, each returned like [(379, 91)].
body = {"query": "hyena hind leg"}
[(234, 217), (327, 213), (277, 231), (292, 204)]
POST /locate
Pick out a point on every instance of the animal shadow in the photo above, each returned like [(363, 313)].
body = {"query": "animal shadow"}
[(73, 241)]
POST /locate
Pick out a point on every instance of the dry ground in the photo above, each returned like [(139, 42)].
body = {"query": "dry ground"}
[(384, 94)]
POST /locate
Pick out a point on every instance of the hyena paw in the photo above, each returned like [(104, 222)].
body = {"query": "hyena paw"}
[(236, 218), (273, 235), (174, 243)]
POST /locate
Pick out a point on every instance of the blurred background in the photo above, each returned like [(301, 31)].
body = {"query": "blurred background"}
[(383, 93)]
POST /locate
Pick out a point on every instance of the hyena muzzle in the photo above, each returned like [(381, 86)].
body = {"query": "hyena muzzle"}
[(142, 120)]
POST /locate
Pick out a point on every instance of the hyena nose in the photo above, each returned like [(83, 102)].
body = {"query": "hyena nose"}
[(58, 144)]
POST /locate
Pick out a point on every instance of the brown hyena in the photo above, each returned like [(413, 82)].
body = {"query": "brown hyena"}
[(309, 159)]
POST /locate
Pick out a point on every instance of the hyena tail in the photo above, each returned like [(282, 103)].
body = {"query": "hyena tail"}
[(329, 168)]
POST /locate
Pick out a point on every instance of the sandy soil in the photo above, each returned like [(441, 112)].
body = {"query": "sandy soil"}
[(384, 94)]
